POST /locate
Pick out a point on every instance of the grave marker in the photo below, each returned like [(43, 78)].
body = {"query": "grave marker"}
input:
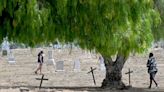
[(11, 58), (57, 46), (60, 66), (129, 72), (102, 65), (50, 58), (5, 47), (4, 52), (77, 65), (93, 74), (41, 80)]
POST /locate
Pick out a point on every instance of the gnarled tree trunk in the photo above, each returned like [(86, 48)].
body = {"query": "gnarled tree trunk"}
[(114, 72)]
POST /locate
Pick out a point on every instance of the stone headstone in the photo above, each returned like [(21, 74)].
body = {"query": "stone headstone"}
[(4, 52), (57, 46), (77, 65), (93, 54), (51, 60), (50, 54), (11, 59), (5, 48), (60, 66), (86, 54), (102, 65)]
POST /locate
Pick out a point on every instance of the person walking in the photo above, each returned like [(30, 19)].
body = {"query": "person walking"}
[(40, 62), (152, 69)]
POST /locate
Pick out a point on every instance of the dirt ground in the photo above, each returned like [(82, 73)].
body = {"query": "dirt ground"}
[(20, 77)]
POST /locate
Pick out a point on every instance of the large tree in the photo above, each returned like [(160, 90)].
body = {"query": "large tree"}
[(110, 27)]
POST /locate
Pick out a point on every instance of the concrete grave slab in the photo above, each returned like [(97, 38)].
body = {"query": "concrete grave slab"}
[(60, 66), (77, 65)]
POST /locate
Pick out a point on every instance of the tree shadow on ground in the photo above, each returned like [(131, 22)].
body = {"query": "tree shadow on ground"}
[(80, 89)]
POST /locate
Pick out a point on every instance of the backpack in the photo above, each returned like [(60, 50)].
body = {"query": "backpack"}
[(152, 65)]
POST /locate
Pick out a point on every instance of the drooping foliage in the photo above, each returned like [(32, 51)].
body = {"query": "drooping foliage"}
[(108, 26), (23, 21), (159, 31)]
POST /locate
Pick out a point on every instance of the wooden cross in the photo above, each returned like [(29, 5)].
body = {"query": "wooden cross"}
[(129, 72), (41, 80), (92, 74)]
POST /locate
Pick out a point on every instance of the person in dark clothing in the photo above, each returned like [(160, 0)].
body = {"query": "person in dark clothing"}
[(40, 62), (152, 69)]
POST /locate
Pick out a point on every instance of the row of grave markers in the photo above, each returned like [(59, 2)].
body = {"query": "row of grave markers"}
[(59, 64)]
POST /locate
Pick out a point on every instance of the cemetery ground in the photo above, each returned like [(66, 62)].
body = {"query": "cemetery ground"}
[(20, 76)]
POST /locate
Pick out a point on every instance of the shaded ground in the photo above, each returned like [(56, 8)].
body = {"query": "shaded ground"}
[(73, 89)]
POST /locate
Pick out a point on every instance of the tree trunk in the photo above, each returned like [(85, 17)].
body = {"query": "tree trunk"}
[(114, 72)]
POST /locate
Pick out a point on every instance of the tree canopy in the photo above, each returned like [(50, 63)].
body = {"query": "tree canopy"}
[(107, 26), (159, 33), (21, 21)]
